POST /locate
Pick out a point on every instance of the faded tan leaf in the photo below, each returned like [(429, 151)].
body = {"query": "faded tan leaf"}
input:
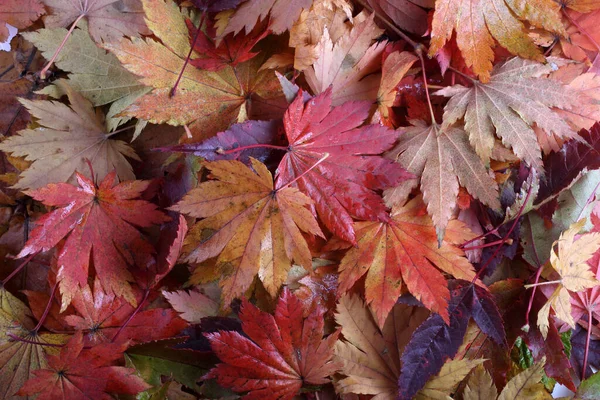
[(480, 385)]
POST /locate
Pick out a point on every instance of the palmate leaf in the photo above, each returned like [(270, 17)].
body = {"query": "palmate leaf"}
[(514, 99), (68, 137), (282, 15), (97, 223), (248, 225), (19, 14), (282, 352), (477, 23), (208, 101), (403, 250), (348, 166), (443, 159), (109, 20), (78, 370), (370, 357), (436, 341)]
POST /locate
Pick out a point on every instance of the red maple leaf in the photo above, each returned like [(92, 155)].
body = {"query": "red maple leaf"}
[(79, 372), (96, 223), (284, 352), (231, 50), (349, 169)]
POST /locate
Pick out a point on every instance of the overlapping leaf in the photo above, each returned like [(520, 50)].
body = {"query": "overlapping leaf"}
[(335, 161), (67, 139), (209, 101), (570, 261), (403, 250), (410, 15), (19, 14), (251, 227), (77, 370), (350, 65), (109, 20), (370, 358), (509, 105), (478, 23), (442, 158), (282, 15), (97, 223), (436, 341), (281, 354)]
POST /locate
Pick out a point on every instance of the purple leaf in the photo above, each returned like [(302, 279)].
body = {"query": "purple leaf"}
[(433, 342), (486, 315)]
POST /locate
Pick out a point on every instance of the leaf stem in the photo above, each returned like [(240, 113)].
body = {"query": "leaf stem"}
[(250, 146), (133, 314), (462, 74), (187, 59), (20, 339), (431, 113), (60, 47), (508, 241), (47, 310), (512, 228), (392, 26), (537, 279), (587, 339), (19, 268), (534, 285), (305, 172)]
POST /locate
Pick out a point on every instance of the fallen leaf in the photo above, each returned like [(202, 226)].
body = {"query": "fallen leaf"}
[(282, 15), (410, 15), (483, 21), (77, 370), (192, 305), (208, 101), (445, 382), (526, 385), (282, 353), (335, 161), (252, 227), (350, 66), (109, 20), (443, 159), (509, 104), (18, 13), (403, 250), (480, 385), (96, 222), (67, 138)]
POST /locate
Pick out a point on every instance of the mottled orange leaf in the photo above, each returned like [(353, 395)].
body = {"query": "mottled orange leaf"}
[(248, 225)]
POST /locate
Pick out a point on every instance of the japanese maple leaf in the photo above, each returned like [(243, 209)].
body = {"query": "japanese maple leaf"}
[(403, 250), (67, 138), (18, 13), (209, 101), (97, 224), (437, 340), (108, 20), (231, 50), (513, 101), (370, 357), (477, 23), (308, 30), (282, 352), (282, 15), (350, 65), (104, 316), (251, 227), (342, 185), (78, 371), (395, 66), (22, 347), (442, 158), (581, 44), (570, 261), (407, 14)]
